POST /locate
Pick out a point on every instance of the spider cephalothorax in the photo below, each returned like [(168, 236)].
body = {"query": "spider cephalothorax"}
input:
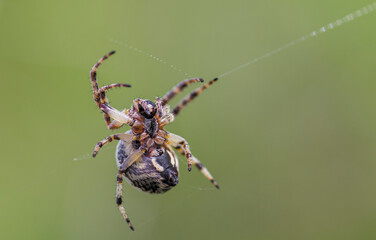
[(144, 155), (147, 127)]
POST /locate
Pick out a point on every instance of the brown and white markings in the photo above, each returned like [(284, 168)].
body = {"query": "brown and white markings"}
[(144, 155)]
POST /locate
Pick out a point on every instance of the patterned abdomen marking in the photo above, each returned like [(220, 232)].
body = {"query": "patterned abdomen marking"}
[(150, 174)]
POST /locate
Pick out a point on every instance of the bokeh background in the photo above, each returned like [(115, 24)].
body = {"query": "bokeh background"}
[(290, 139)]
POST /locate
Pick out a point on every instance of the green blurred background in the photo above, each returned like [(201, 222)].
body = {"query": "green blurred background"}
[(290, 139)]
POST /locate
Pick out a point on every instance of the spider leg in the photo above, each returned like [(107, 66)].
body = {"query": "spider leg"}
[(119, 200), (93, 78), (158, 103), (113, 124), (120, 117), (175, 140), (119, 136), (167, 119), (199, 165), (114, 85), (102, 91), (178, 88), (133, 157), (100, 94), (191, 96)]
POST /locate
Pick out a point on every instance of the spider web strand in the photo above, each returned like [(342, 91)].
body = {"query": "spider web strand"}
[(348, 18), (158, 59)]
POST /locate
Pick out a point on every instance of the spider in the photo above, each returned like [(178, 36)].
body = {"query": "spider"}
[(144, 154)]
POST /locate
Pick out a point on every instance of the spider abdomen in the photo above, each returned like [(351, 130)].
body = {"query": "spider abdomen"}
[(150, 174)]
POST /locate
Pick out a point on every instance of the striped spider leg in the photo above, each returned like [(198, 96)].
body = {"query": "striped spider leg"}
[(100, 95), (198, 164), (119, 199), (134, 156), (178, 88), (191, 96), (119, 136), (175, 139)]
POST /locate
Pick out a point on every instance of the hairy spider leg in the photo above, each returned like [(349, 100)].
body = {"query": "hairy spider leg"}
[(93, 78), (114, 85), (178, 88), (175, 140), (100, 95), (111, 124), (119, 136), (191, 96), (119, 200), (199, 165)]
